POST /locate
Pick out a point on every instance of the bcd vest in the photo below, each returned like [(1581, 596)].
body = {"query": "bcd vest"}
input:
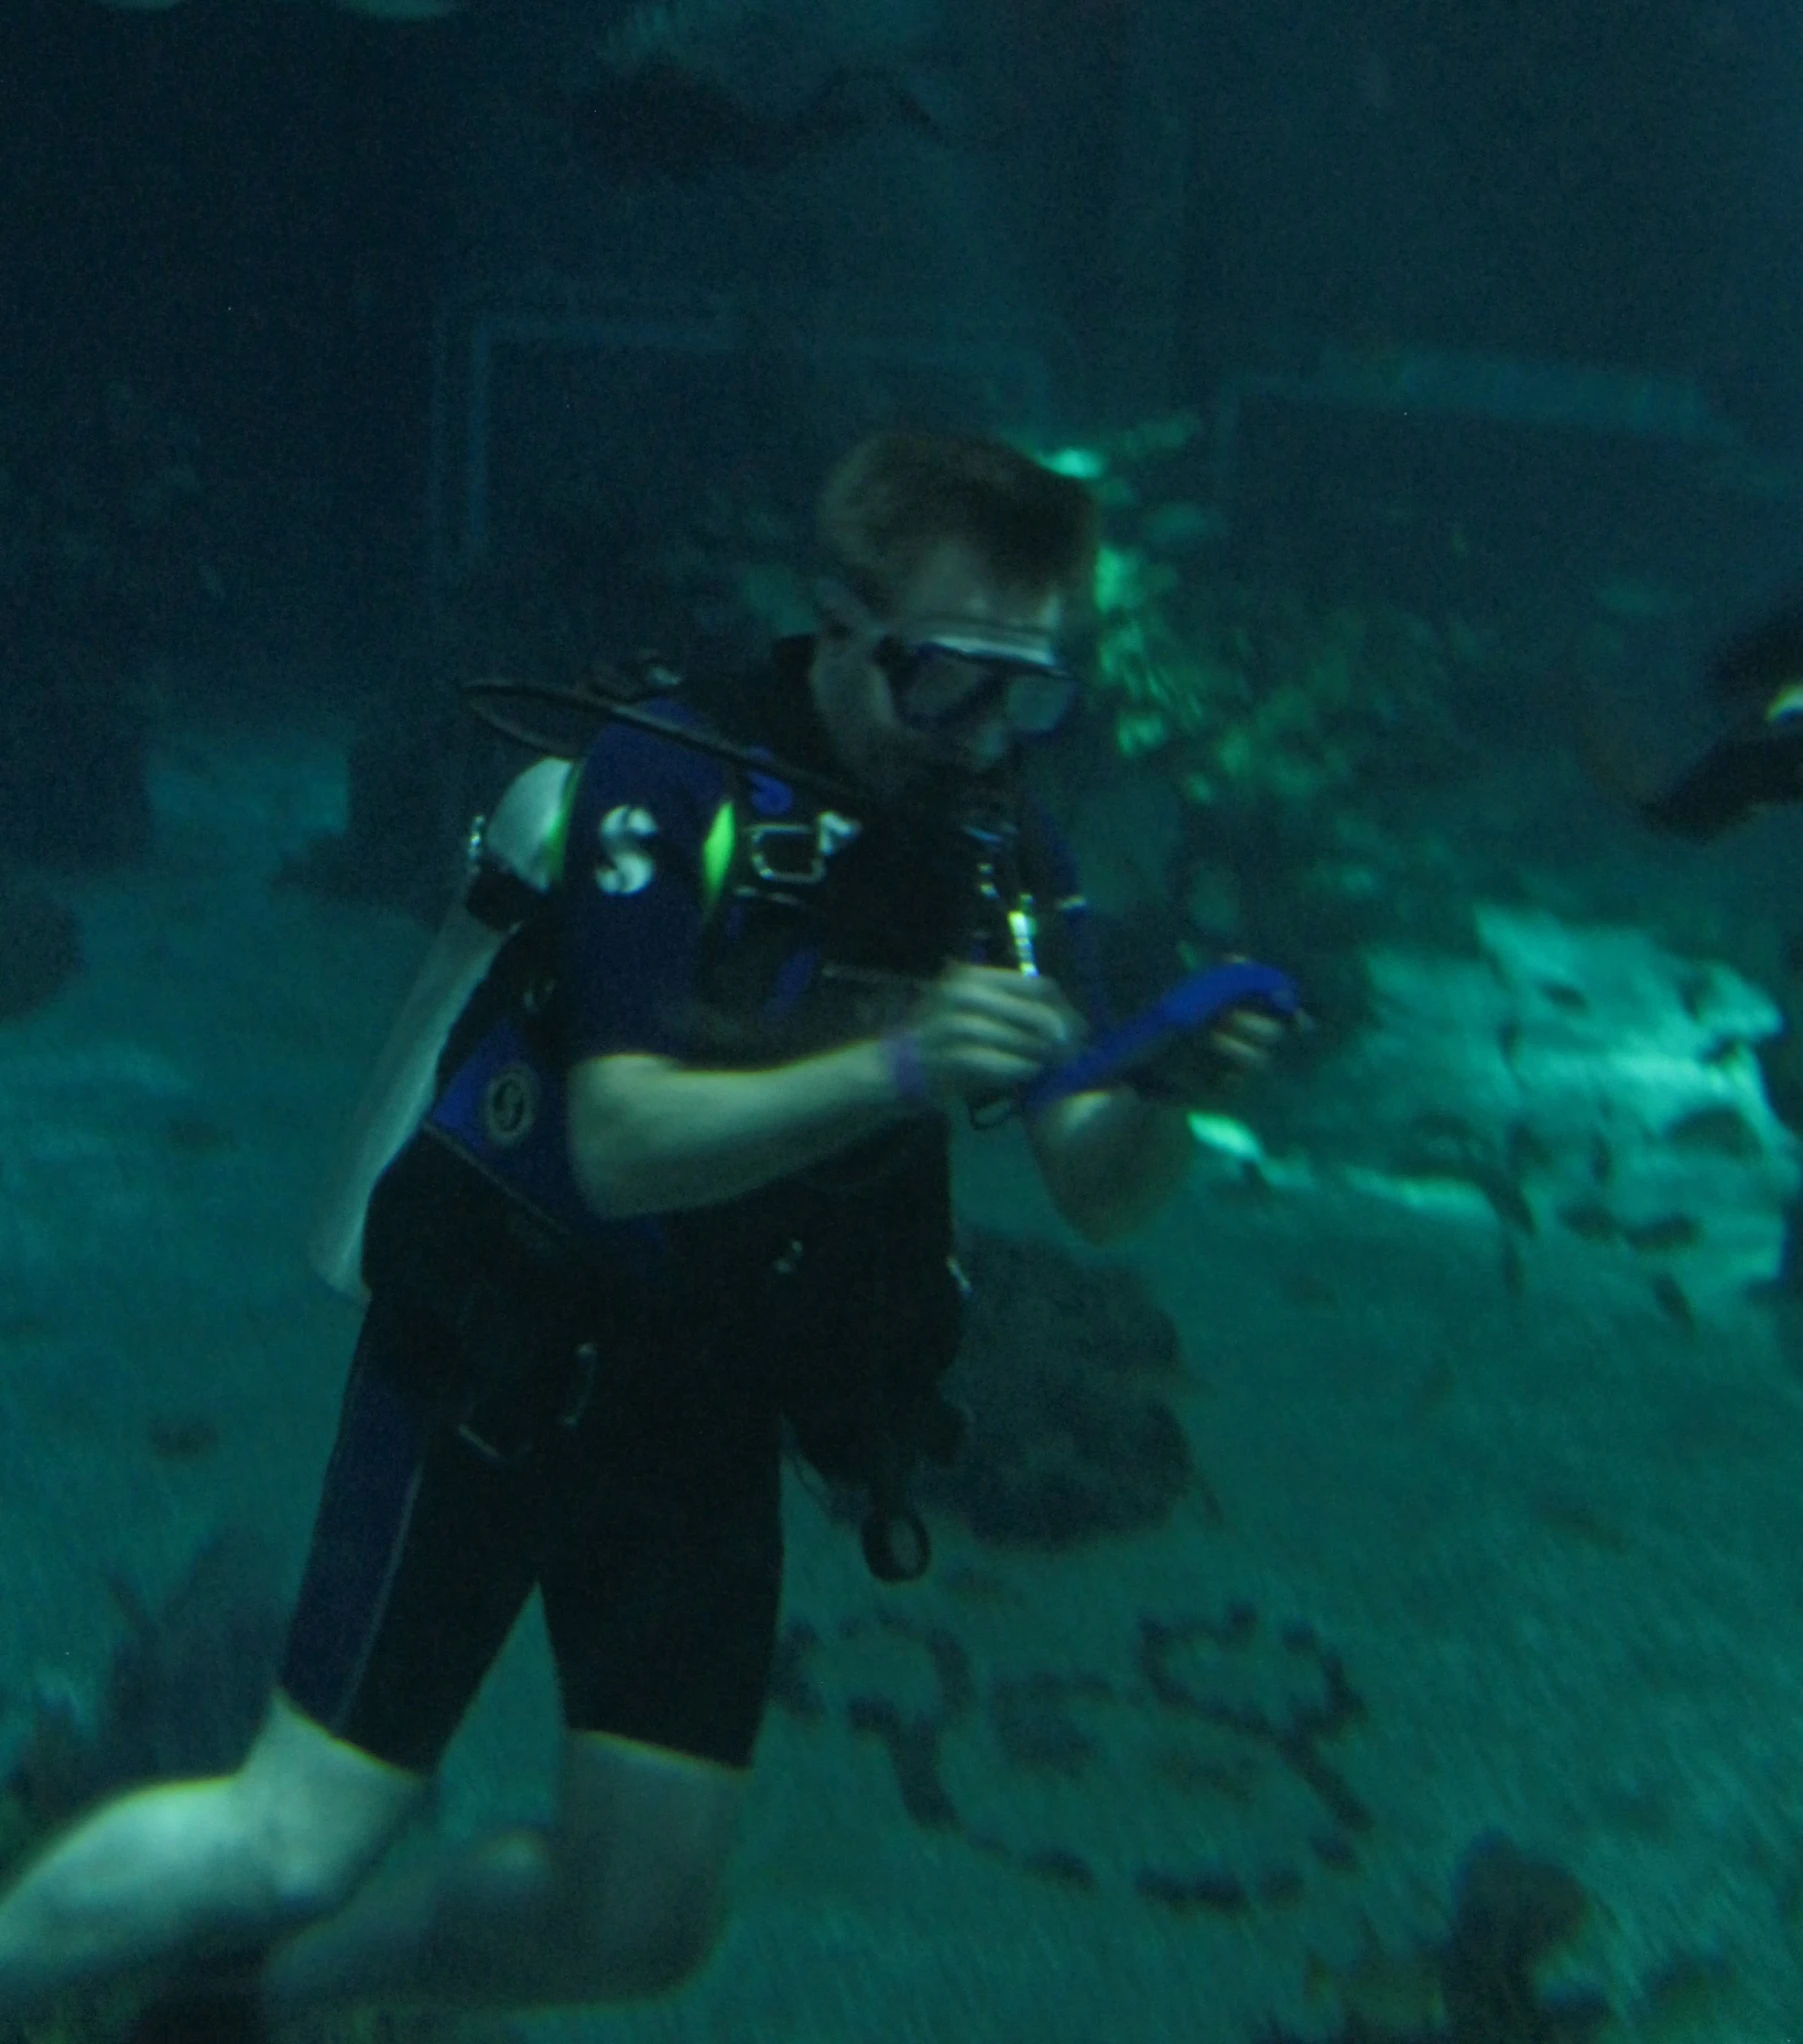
[(840, 1283)]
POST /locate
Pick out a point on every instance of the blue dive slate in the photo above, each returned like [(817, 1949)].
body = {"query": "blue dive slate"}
[(1191, 1004)]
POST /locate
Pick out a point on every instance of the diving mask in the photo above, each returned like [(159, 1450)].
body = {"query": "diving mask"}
[(941, 688)]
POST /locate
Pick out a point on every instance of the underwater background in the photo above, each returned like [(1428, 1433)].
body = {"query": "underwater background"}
[(1368, 1609)]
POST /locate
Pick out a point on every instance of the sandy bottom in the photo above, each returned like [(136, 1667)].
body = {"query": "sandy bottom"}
[(1549, 1541)]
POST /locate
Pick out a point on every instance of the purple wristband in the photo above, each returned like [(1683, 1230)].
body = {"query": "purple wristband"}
[(906, 1068)]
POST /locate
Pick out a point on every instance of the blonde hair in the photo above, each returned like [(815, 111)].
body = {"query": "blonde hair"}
[(898, 496)]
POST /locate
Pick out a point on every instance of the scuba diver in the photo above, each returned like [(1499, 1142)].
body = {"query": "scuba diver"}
[(1757, 763), (660, 1163)]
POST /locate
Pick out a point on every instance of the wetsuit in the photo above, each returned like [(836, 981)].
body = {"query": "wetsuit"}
[(1757, 765), (543, 1399)]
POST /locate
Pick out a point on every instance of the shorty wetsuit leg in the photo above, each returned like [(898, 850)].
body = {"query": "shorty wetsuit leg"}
[(653, 1526)]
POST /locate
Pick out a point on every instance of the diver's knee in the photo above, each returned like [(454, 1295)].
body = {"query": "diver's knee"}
[(298, 1878), (307, 1869), (302, 1888), (314, 1862), (312, 1820)]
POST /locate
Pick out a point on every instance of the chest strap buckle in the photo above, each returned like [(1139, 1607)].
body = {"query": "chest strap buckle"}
[(796, 854)]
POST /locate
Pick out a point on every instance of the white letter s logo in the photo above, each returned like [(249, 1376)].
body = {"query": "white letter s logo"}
[(625, 865)]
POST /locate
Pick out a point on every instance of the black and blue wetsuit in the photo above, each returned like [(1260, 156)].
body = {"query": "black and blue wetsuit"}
[(595, 1409)]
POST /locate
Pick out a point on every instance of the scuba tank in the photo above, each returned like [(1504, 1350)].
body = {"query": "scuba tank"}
[(514, 857)]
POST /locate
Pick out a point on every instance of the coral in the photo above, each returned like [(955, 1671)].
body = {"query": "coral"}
[(1512, 1913), (1261, 699), (1067, 1441), (1307, 732), (1256, 698)]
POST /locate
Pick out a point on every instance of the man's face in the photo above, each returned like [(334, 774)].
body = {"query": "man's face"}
[(860, 666)]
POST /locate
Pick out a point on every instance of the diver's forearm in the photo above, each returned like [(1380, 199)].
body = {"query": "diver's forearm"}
[(650, 1136), (1110, 1160)]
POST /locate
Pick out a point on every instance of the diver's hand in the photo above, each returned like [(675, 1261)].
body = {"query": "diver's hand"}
[(1244, 1040), (980, 1030), (1236, 1046)]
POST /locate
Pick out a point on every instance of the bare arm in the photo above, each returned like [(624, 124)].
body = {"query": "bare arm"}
[(1110, 1159), (648, 1135)]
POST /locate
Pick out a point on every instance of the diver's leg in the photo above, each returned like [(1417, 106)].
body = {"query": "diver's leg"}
[(182, 1870), (661, 1598), (189, 1870), (621, 1896), (419, 1563)]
